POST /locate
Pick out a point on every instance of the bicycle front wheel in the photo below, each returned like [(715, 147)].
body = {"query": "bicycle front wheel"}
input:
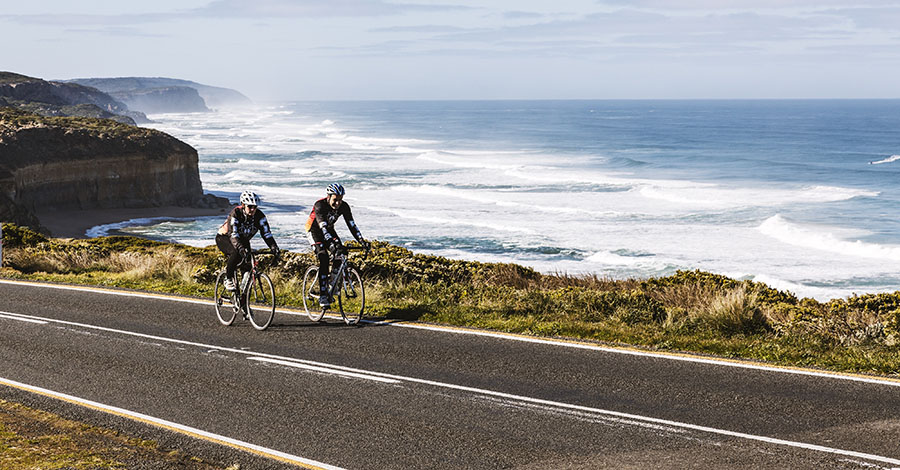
[(311, 294), (224, 304), (352, 297), (259, 300)]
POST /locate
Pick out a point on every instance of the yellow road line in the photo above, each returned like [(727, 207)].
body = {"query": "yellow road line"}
[(174, 427)]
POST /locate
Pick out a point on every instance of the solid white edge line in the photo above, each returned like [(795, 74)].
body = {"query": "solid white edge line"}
[(654, 354), (512, 337), (16, 317), (241, 445), (327, 370), (479, 391)]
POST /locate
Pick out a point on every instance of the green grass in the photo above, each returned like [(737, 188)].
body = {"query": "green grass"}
[(690, 311), (12, 119), (34, 439)]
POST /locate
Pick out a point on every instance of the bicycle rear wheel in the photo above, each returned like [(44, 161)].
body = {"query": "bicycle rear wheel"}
[(222, 299), (352, 297), (311, 294), (259, 300)]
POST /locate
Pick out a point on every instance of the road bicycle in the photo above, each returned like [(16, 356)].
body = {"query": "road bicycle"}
[(345, 286), (253, 297)]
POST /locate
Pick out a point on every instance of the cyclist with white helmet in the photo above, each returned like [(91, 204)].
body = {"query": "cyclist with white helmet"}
[(321, 234), (233, 237)]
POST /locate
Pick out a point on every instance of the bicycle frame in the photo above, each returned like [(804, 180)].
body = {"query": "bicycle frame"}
[(339, 278), (254, 301), (343, 285)]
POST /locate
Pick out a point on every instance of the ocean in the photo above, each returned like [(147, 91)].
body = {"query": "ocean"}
[(801, 195)]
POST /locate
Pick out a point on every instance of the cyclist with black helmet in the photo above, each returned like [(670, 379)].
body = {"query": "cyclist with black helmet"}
[(233, 237), (321, 234)]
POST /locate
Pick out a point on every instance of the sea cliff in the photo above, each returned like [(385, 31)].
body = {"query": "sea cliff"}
[(49, 98), (166, 95), (67, 163)]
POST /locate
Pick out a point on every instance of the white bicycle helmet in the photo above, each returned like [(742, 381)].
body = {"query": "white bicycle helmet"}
[(335, 188), (249, 198)]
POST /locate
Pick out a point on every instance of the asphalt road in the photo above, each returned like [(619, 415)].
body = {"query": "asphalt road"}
[(386, 396)]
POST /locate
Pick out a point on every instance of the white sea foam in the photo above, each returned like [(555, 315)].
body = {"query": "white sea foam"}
[(892, 158), (449, 160), (448, 222), (261, 163), (330, 174), (608, 257), (713, 196), (240, 175), (823, 240), (106, 229), (403, 149)]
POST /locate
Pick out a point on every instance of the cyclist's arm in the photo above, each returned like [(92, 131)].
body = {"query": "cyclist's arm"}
[(263, 225), (351, 224)]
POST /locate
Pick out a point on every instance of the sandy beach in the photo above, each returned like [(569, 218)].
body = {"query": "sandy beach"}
[(74, 223)]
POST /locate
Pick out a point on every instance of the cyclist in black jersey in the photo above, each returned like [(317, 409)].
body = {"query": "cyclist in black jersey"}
[(322, 236), (233, 237)]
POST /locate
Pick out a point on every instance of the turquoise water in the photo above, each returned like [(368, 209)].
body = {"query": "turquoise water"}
[(801, 195)]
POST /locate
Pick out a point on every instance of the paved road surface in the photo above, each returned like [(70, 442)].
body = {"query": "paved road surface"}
[(383, 397)]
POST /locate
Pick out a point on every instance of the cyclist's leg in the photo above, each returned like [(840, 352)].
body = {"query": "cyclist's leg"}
[(317, 242), (232, 258)]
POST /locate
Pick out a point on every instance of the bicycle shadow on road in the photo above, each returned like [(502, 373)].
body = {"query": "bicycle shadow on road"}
[(300, 323)]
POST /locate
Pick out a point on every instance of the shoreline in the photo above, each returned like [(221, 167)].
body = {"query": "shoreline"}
[(76, 223)]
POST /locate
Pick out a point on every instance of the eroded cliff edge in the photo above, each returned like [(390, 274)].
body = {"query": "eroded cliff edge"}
[(68, 163)]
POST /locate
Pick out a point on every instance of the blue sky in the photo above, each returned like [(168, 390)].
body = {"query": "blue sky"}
[(461, 49)]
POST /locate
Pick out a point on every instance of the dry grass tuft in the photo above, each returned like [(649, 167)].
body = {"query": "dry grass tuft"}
[(166, 263), (737, 311)]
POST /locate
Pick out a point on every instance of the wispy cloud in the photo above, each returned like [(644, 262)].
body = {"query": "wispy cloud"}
[(53, 19), (119, 31), (519, 15), (755, 5), (242, 9), (315, 8), (643, 33), (418, 29)]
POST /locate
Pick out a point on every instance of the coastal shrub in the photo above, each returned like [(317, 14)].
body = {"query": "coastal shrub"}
[(737, 311), (704, 283), (15, 236), (506, 274), (697, 277), (592, 281)]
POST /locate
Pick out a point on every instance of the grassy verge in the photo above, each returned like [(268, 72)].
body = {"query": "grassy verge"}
[(34, 439), (690, 311)]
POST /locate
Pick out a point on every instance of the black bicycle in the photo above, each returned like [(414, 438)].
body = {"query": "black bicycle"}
[(253, 297), (345, 286)]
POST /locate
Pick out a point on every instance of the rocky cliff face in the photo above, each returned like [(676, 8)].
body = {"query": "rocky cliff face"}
[(62, 99), (214, 97), (81, 163), (174, 99)]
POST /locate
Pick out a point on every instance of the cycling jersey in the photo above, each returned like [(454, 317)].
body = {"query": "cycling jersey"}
[(241, 227), (320, 225)]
